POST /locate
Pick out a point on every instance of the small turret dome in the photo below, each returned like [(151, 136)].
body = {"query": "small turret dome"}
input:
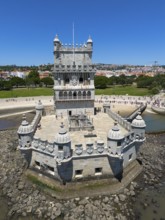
[(25, 127), (138, 122), (89, 40), (100, 142), (39, 105), (63, 136), (115, 133), (56, 39)]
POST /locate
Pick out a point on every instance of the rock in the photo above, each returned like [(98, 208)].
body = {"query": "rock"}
[(126, 191), (29, 209), (21, 186), (132, 193), (97, 203), (116, 200), (11, 212), (122, 197), (106, 200), (38, 212), (84, 202)]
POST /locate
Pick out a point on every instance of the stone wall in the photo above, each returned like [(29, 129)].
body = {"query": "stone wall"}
[(124, 123)]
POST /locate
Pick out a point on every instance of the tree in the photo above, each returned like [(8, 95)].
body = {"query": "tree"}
[(122, 79), (1, 84), (7, 85), (47, 81), (100, 82), (17, 81), (155, 90), (34, 77), (144, 81)]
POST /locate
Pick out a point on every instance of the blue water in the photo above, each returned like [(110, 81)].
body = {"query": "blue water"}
[(154, 122), (6, 124)]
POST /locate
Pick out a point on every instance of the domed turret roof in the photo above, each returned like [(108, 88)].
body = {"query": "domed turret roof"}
[(100, 141), (115, 133), (89, 40), (138, 122), (25, 127), (63, 136), (39, 105), (56, 39)]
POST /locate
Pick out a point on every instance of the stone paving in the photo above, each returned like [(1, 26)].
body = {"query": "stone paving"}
[(102, 124)]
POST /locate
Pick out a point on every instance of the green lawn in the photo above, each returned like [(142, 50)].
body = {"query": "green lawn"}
[(25, 92), (123, 90), (116, 90)]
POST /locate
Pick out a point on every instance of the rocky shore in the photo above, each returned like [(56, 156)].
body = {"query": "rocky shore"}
[(25, 200)]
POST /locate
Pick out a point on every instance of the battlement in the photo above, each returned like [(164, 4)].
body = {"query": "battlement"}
[(87, 149), (74, 68), (72, 48)]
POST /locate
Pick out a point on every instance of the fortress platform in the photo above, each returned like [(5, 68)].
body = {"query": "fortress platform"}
[(102, 124)]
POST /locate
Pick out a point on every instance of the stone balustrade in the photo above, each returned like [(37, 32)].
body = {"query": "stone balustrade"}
[(35, 122), (124, 123)]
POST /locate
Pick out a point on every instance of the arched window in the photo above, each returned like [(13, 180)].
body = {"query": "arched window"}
[(74, 95), (81, 80), (67, 81), (60, 95), (70, 95), (84, 95), (79, 94), (89, 94), (65, 95)]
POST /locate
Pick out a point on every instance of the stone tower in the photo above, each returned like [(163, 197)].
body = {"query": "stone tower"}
[(73, 78)]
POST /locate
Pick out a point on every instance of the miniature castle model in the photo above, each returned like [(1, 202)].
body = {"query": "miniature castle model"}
[(77, 142)]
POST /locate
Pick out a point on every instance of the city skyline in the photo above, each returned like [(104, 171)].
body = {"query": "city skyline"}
[(123, 32)]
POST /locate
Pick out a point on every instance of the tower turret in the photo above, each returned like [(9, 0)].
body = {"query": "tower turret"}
[(63, 143), (114, 139), (25, 134), (39, 107), (89, 43), (56, 42), (138, 125)]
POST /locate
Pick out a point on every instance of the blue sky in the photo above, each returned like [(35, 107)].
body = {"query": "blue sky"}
[(123, 31)]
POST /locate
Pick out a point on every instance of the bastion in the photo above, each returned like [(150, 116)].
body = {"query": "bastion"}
[(79, 143)]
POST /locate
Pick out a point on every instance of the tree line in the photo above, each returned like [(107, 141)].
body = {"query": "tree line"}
[(32, 80), (155, 84)]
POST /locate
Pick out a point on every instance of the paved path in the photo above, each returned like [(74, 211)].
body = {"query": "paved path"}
[(116, 101), (25, 102)]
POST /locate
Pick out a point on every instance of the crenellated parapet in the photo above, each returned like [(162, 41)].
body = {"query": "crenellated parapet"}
[(43, 146), (68, 54), (74, 68), (90, 149)]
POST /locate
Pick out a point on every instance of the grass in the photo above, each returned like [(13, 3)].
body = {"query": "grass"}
[(25, 92), (41, 184), (123, 90), (115, 90)]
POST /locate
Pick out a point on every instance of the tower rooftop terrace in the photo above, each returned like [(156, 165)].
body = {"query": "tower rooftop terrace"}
[(102, 124)]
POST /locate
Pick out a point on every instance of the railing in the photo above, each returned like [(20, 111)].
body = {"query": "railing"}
[(35, 122), (119, 119), (133, 115)]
